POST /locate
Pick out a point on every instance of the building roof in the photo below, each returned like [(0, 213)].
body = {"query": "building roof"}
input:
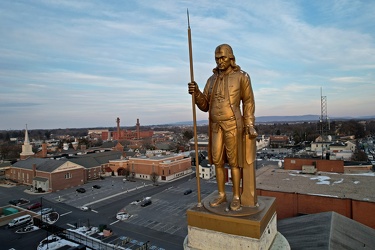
[(5, 164), (95, 159), (354, 186), (42, 164), (109, 144), (204, 163), (328, 230), (162, 145)]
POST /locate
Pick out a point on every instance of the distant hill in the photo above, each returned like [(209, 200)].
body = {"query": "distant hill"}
[(296, 118)]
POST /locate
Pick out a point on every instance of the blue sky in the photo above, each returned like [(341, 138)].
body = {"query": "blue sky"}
[(71, 64)]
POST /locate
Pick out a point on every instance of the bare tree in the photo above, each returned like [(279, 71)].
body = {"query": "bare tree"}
[(154, 178)]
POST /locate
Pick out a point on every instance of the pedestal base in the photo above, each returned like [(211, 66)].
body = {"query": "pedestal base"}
[(279, 243), (207, 230)]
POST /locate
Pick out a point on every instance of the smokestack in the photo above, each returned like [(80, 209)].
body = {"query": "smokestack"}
[(118, 128), (138, 131), (44, 150)]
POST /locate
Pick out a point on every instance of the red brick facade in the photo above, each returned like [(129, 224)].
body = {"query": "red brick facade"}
[(363, 212), (67, 175), (166, 167), (292, 204), (335, 166)]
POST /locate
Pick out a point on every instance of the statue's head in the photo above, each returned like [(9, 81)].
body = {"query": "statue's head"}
[(224, 57), (224, 50)]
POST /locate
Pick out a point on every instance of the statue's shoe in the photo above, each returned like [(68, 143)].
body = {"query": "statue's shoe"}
[(218, 200), (235, 204)]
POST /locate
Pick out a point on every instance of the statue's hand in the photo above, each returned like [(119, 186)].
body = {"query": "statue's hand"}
[(193, 87), (250, 130)]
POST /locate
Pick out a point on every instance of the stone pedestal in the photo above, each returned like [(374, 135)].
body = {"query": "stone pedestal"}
[(208, 230)]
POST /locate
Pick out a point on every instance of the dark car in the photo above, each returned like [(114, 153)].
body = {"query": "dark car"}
[(14, 202), (34, 206), (18, 202), (81, 190), (96, 186), (146, 203), (23, 201), (188, 192)]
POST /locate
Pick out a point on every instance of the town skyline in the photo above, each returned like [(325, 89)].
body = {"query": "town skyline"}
[(68, 64), (258, 120)]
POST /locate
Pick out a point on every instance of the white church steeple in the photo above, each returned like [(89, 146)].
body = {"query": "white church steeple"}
[(27, 148)]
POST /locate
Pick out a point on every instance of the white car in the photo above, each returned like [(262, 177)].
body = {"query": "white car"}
[(123, 216), (85, 208), (136, 202)]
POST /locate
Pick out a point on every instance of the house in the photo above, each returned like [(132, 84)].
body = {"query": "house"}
[(206, 170)]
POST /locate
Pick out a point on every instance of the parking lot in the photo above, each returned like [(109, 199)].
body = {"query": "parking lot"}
[(109, 187), (166, 215)]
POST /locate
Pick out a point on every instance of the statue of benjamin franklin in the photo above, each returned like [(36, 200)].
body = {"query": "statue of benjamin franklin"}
[(231, 130)]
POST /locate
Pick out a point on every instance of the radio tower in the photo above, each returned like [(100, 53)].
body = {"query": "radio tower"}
[(324, 120)]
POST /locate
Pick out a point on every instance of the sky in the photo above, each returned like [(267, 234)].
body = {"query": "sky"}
[(77, 64)]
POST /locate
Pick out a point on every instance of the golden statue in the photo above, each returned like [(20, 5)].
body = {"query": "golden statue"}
[(231, 132)]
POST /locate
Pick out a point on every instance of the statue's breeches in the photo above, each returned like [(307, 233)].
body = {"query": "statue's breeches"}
[(224, 143)]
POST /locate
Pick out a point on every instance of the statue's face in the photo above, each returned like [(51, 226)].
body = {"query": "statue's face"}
[(222, 59)]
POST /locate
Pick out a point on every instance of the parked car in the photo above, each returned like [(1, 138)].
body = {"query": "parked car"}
[(81, 190), (23, 201), (146, 203), (188, 192), (13, 202), (96, 186), (20, 220), (123, 216), (18, 202), (34, 206), (85, 208), (45, 210)]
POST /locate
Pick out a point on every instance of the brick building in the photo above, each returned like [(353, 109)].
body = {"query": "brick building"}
[(277, 141), (167, 167), (121, 134), (336, 166), (95, 163), (46, 174), (52, 175)]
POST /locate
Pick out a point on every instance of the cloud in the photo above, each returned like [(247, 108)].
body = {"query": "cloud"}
[(85, 63)]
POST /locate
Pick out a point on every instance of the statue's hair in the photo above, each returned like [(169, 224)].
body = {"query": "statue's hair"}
[(229, 50)]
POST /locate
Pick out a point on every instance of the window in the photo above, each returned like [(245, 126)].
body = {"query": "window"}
[(68, 175)]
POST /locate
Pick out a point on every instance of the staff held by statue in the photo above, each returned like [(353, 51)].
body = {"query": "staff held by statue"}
[(194, 115)]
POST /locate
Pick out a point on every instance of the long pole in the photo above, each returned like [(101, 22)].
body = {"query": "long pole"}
[(194, 116)]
